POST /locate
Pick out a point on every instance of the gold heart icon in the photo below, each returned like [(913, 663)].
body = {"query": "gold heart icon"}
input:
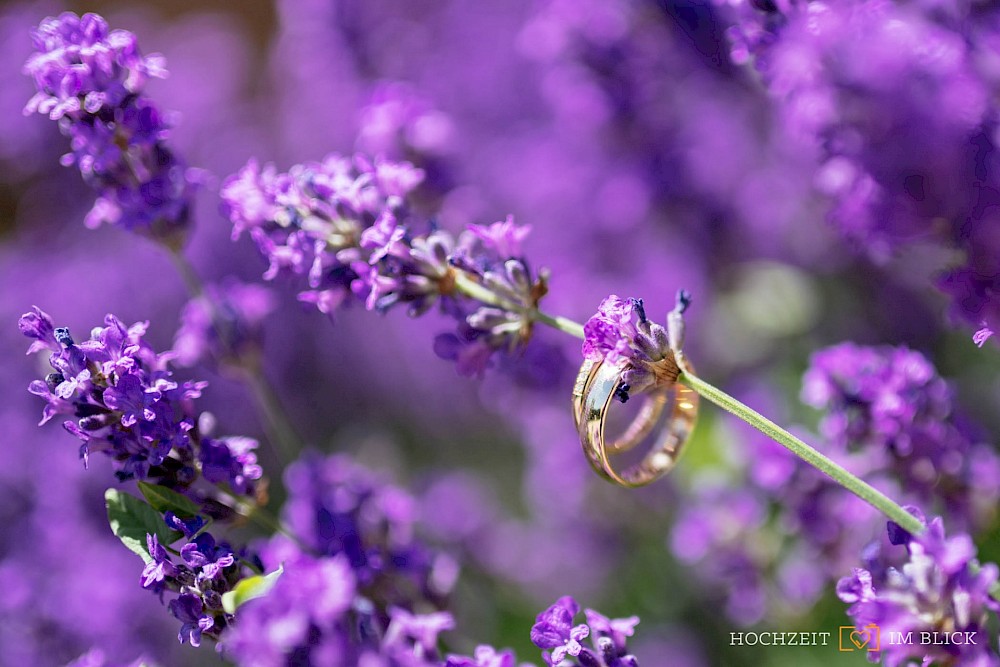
[(861, 639)]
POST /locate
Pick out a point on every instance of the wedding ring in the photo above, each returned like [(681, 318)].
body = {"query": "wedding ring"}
[(597, 384), (643, 422)]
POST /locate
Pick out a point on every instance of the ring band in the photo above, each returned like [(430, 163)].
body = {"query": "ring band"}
[(597, 385), (642, 424)]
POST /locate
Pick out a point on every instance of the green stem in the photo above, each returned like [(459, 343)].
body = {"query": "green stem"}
[(835, 471), (561, 323), (810, 455), (258, 515), (279, 429), (187, 273), (251, 566), (281, 434)]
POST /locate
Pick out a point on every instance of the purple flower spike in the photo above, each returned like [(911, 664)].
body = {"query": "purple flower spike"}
[(80, 64), (122, 396), (346, 229), (941, 591), (91, 80), (620, 333), (890, 410), (310, 222), (554, 629)]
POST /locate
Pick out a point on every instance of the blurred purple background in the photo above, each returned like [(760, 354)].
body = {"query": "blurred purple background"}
[(644, 157)]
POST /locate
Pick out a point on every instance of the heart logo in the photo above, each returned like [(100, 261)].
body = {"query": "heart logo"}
[(861, 639)]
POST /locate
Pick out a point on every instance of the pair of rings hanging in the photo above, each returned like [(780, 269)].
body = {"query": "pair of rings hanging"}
[(597, 385)]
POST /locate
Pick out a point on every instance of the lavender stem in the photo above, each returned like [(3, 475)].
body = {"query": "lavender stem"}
[(281, 434)]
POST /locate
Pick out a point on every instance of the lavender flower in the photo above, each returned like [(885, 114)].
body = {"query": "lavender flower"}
[(889, 410), (231, 461), (308, 222), (616, 629), (126, 404), (313, 615), (491, 257), (338, 508), (407, 270), (896, 102), (620, 333), (554, 630), (91, 80), (941, 590), (207, 570), (189, 610), (346, 225), (204, 555), (121, 394)]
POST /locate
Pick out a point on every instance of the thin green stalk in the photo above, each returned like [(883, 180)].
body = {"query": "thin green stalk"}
[(561, 323), (251, 566), (281, 434), (838, 473), (258, 515), (279, 429), (187, 273), (807, 453)]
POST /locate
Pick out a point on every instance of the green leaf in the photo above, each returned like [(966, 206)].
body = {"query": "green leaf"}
[(250, 588), (167, 500), (131, 519)]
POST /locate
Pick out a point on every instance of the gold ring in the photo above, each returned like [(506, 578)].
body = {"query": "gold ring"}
[(642, 424), (597, 384)]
